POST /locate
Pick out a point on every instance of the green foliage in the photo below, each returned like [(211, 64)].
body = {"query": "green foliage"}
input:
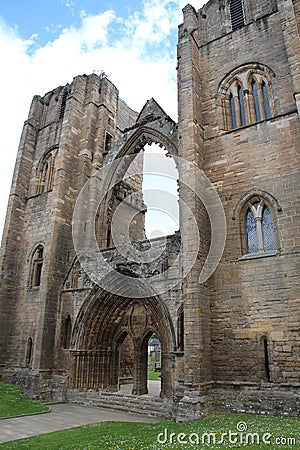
[(14, 403), (140, 436)]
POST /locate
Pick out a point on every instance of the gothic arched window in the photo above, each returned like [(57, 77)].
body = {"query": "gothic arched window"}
[(260, 230), (46, 173), (36, 267), (246, 96)]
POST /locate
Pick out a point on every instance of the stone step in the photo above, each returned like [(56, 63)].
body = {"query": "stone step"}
[(148, 405)]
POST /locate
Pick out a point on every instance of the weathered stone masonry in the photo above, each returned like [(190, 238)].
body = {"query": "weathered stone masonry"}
[(232, 343)]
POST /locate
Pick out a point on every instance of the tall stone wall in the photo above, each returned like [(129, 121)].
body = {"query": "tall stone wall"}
[(253, 298), (71, 123)]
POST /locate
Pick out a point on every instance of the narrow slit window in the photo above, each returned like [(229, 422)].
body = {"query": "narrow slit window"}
[(232, 111), (242, 106), (256, 101), (180, 329), (108, 142), (29, 352), (266, 358), (266, 100), (237, 14)]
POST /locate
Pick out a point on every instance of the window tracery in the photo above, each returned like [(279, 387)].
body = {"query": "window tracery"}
[(260, 230), (246, 96), (46, 172), (37, 261)]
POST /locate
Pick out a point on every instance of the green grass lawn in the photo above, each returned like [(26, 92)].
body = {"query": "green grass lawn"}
[(218, 431), (14, 403), (138, 436), (154, 375)]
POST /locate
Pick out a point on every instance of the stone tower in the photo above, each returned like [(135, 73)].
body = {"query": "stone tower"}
[(230, 341)]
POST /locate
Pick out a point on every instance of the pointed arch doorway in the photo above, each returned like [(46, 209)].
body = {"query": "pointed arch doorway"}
[(134, 367), (102, 326)]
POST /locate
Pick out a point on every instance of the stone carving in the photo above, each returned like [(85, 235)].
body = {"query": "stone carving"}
[(77, 278)]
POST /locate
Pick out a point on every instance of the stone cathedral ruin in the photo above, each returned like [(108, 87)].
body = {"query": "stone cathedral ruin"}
[(228, 343)]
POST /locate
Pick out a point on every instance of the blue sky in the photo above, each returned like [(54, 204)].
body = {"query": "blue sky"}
[(45, 44), (48, 18)]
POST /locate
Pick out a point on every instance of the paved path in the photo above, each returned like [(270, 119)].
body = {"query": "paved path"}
[(153, 389), (61, 417)]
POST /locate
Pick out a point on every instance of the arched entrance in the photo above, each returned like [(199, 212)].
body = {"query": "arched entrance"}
[(105, 321), (125, 307)]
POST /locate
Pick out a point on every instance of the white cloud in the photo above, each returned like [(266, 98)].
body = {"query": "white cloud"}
[(134, 52), (94, 30), (69, 4)]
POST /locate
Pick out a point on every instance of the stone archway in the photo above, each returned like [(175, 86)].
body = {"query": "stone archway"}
[(153, 127), (101, 327)]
